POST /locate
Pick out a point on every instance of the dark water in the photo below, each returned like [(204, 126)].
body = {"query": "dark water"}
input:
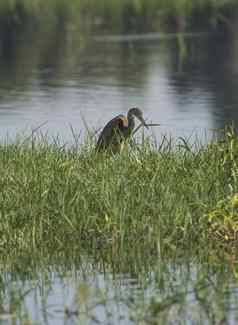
[(187, 82)]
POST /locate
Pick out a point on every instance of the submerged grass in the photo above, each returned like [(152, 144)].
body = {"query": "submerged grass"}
[(161, 199)]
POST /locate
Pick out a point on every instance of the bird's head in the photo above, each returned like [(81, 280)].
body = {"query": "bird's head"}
[(135, 111)]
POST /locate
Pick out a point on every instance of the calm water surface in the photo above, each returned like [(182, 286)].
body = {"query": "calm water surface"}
[(171, 293), (188, 83)]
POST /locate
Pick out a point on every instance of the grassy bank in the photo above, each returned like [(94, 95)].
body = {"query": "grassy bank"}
[(160, 199)]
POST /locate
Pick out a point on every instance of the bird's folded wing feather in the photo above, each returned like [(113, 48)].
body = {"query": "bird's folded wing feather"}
[(109, 130)]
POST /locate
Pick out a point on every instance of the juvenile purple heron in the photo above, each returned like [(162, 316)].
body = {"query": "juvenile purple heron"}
[(118, 130)]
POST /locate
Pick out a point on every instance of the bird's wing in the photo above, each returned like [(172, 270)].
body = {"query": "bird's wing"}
[(108, 131)]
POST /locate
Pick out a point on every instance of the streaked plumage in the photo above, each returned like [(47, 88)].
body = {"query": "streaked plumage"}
[(116, 131)]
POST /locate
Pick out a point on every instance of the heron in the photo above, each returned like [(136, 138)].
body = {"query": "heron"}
[(118, 130)]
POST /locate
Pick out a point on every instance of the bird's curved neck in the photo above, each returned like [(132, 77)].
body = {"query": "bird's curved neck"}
[(131, 122)]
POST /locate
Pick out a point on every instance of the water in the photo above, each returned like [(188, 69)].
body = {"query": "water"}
[(170, 293), (188, 83)]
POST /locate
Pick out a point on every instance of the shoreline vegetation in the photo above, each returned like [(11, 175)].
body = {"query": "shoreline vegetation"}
[(58, 39), (139, 6), (162, 198), (89, 17)]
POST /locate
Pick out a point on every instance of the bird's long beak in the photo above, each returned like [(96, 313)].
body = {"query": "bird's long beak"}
[(143, 122)]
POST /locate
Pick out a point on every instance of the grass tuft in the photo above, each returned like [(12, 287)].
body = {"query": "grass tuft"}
[(164, 200)]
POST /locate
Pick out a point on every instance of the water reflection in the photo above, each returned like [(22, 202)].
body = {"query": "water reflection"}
[(186, 81), (170, 293)]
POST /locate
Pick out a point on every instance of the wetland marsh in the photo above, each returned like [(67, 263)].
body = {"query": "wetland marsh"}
[(145, 237)]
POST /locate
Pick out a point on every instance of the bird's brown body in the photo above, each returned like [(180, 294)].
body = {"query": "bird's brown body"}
[(118, 130)]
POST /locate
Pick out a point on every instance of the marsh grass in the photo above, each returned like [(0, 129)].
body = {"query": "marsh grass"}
[(53, 196)]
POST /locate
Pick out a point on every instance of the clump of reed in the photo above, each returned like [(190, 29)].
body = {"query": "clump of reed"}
[(161, 196)]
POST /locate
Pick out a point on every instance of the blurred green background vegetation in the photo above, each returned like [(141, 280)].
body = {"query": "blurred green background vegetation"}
[(119, 16), (38, 32)]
